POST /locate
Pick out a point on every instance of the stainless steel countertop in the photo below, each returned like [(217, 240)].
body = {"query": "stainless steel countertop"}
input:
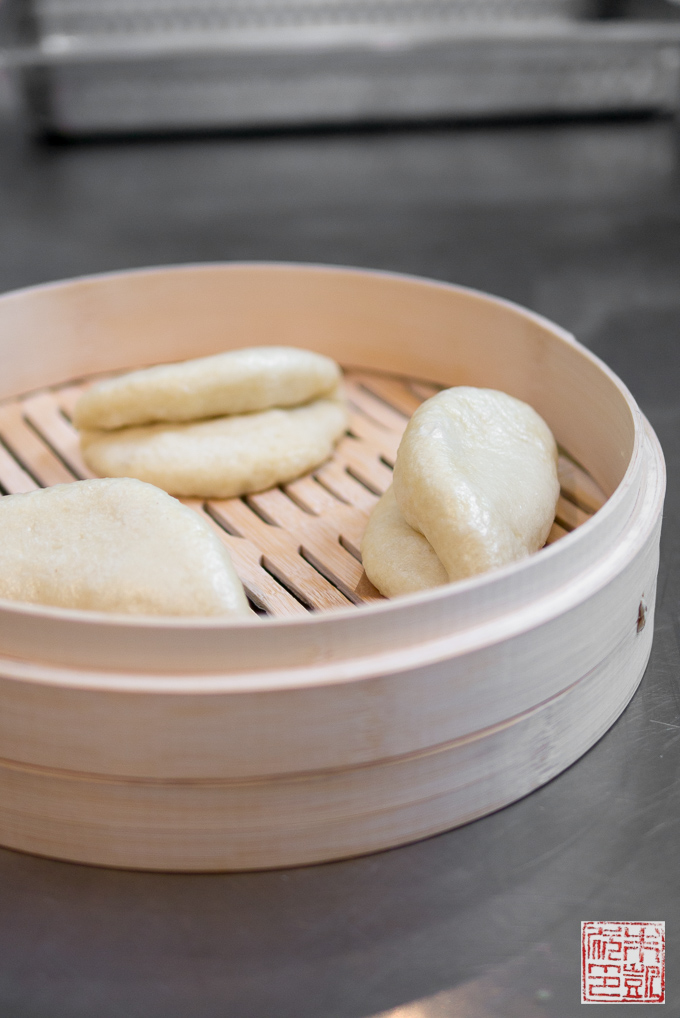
[(580, 221)]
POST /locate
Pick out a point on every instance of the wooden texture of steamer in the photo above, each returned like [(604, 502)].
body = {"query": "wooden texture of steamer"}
[(366, 728), (312, 817)]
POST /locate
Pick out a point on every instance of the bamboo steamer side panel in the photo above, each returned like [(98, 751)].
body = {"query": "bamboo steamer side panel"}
[(314, 817)]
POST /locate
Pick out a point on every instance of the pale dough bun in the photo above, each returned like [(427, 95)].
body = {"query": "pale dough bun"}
[(236, 382), (223, 457), (397, 559), (114, 546), (476, 474)]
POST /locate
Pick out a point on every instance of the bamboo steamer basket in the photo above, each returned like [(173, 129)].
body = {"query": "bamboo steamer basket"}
[(361, 724)]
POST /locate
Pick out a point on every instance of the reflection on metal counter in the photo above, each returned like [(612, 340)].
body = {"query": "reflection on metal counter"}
[(91, 66)]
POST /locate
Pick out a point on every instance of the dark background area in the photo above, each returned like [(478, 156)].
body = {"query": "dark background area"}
[(578, 220)]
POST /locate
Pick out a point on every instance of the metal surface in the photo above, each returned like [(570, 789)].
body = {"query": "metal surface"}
[(580, 222), (103, 66)]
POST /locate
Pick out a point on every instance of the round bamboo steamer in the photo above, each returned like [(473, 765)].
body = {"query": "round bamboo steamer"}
[(342, 723)]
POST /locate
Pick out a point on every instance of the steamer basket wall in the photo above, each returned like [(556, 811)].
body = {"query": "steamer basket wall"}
[(307, 736)]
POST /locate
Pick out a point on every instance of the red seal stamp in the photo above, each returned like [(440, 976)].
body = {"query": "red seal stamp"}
[(623, 963)]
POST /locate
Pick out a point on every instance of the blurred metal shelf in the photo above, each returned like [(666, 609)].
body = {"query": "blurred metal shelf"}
[(107, 19), (112, 66)]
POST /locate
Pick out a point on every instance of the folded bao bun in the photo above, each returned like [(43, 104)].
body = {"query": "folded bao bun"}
[(476, 476), (114, 545), (236, 382), (223, 457), (397, 559)]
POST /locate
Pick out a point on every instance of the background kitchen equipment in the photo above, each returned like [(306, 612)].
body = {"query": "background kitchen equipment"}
[(110, 66)]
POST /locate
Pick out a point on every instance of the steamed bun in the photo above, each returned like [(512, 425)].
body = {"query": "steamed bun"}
[(114, 545)]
